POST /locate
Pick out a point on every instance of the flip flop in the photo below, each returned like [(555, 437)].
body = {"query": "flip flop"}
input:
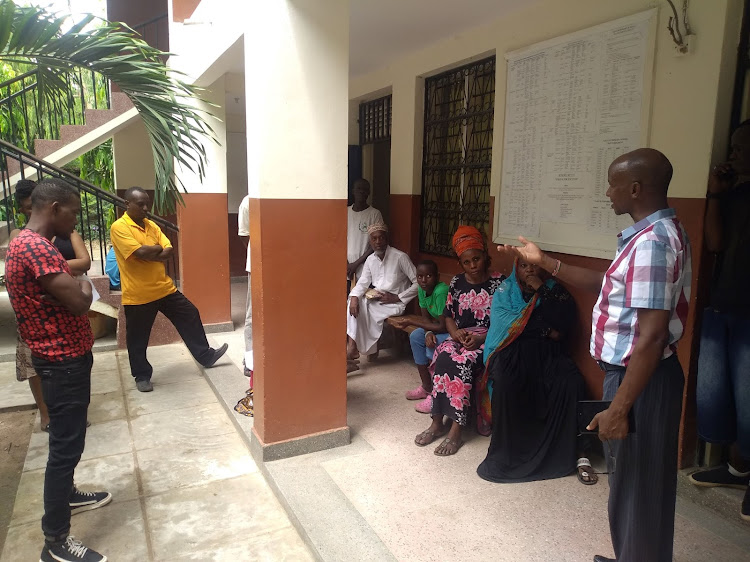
[(427, 433), (448, 441), (245, 405), (583, 462)]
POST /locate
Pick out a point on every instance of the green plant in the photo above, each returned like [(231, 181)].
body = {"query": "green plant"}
[(32, 35)]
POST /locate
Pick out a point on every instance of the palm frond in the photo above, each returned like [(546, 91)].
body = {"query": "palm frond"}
[(176, 128)]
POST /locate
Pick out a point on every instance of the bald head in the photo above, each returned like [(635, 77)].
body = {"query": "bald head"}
[(647, 166), (638, 183)]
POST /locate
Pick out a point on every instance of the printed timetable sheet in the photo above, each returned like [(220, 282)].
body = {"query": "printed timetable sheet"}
[(573, 104)]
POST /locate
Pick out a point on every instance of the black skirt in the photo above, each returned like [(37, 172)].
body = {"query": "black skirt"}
[(536, 388)]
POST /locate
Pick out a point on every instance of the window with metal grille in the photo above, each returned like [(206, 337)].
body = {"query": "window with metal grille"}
[(457, 159), (375, 120)]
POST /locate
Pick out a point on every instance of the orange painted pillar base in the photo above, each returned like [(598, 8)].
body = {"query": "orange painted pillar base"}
[(299, 325), (204, 255)]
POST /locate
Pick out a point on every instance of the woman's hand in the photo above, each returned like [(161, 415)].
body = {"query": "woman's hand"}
[(470, 343), (534, 282), (459, 335)]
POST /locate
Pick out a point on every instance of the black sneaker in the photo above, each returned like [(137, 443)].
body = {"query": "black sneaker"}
[(745, 511), (217, 355), (719, 477), (70, 551), (86, 501), (144, 386)]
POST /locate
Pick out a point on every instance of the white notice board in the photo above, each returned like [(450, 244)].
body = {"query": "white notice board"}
[(573, 104)]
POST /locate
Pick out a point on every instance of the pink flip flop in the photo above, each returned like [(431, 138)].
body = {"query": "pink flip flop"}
[(418, 393), (425, 406)]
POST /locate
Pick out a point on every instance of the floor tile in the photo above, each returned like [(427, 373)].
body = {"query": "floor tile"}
[(177, 396), (116, 530), (210, 517), (283, 545), (102, 439), (23, 542), (115, 474), (104, 362), (166, 374), (104, 382), (106, 407), (180, 428), (13, 394), (168, 468)]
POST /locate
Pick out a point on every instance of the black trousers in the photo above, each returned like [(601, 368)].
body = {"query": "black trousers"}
[(139, 319), (643, 474), (66, 386)]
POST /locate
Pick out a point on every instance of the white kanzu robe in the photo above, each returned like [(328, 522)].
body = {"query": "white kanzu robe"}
[(393, 274)]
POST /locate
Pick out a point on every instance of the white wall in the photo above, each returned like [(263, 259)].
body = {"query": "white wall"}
[(134, 160), (215, 178), (297, 137), (689, 103)]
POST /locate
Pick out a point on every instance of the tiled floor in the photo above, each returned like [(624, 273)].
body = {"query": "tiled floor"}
[(412, 505), (183, 483)]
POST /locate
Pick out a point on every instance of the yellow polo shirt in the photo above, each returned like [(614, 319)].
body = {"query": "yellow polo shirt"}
[(142, 281)]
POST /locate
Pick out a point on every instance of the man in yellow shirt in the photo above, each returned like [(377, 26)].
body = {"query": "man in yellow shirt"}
[(141, 250)]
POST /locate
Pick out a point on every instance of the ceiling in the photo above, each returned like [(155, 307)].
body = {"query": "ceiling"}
[(383, 30)]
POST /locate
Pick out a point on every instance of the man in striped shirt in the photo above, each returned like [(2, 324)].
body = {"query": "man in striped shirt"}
[(637, 320)]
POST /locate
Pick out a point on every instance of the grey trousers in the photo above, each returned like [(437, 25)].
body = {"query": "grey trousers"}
[(249, 327), (643, 474)]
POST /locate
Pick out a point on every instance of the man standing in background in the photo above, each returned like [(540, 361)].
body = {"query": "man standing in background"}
[(359, 217)]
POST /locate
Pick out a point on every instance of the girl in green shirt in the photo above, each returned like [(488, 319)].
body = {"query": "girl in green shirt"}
[(430, 329)]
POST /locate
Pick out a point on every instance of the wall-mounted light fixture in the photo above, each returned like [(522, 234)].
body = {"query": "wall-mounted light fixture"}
[(680, 37)]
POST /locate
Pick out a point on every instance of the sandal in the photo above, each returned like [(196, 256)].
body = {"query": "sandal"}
[(431, 436), (589, 474), (425, 406), (245, 405), (418, 393), (446, 443)]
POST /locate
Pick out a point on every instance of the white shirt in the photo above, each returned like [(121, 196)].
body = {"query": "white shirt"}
[(357, 239), (243, 225), (394, 274)]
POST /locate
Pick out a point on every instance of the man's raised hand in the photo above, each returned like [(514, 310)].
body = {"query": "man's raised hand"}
[(529, 252)]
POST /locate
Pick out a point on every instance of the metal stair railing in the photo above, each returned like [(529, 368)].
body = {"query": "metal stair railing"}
[(98, 207), (24, 117)]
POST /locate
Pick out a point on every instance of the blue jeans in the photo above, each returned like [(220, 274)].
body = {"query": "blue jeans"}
[(422, 353), (723, 389), (66, 386)]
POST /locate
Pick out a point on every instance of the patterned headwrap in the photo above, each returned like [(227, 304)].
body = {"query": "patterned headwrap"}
[(467, 238), (377, 227)]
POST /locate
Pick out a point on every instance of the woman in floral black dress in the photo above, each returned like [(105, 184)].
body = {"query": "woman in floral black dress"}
[(459, 359)]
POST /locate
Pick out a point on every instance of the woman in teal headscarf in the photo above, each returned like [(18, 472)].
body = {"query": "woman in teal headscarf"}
[(533, 384)]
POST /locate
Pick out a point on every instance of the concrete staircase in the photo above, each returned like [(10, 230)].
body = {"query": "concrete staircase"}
[(75, 140)]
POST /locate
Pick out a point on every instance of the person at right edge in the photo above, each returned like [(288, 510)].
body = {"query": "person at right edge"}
[(637, 321), (723, 389)]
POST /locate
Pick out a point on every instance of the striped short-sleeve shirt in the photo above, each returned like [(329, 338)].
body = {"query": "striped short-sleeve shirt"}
[(652, 269)]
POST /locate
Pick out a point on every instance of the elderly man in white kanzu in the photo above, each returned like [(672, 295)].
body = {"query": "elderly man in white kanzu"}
[(394, 278)]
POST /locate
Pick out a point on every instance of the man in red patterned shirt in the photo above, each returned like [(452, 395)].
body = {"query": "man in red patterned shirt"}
[(50, 306)]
